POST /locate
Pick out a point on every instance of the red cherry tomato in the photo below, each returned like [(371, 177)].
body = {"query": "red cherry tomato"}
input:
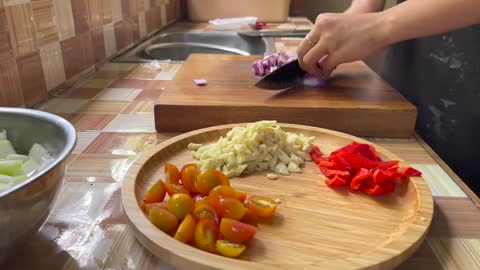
[(236, 231)]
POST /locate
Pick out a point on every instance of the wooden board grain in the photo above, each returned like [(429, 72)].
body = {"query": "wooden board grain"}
[(315, 227), (356, 100)]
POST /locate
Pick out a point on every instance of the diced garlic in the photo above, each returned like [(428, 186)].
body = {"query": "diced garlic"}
[(272, 176)]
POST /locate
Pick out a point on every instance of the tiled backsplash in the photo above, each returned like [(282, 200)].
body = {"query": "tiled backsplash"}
[(45, 44)]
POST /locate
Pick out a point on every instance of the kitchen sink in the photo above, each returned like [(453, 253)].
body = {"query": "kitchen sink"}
[(177, 46)]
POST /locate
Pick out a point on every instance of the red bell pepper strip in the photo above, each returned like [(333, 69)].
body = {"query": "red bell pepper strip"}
[(388, 187), (327, 164), (336, 182), (363, 149), (385, 165), (353, 161), (393, 174), (409, 171), (329, 173), (380, 177), (358, 179), (316, 154)]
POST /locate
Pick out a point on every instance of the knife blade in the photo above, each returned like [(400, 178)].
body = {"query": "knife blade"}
[(284, 77)]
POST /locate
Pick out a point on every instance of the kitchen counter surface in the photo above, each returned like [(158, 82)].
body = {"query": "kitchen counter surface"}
[(112, 111)]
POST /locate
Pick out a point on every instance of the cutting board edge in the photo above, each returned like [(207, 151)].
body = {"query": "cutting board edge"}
[(218, 115)]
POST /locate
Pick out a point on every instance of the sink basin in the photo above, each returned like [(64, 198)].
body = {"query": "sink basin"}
[(177, 46)]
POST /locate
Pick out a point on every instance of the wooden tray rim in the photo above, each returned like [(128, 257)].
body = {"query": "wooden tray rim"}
[(180, 255)]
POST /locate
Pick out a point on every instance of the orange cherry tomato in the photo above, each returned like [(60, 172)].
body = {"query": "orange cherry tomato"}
[(199, 199), (172, 174), (149, 206), (206, 181), (205, 211), (180, 205), (163, 219), (250, 218), (229, 249), (220, 192), (262, 206), (206, 233), (189, 175), (186, 230), (237, 231), (156, 193), (241, 196), (231, 208), (223, 178), (175, 189)]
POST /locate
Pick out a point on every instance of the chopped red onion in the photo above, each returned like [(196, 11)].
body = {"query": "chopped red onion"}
[(200, 82), (270, 63)]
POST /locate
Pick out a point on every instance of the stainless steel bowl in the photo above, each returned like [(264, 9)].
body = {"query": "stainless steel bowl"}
[(25, 207)]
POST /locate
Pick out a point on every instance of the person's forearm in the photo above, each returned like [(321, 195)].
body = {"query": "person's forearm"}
[(365, 6), (418, 18)]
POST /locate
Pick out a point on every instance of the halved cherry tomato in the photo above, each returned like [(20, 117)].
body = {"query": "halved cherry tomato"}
[(231, 208), (180, 205), (206, 233), (229, 249), (220, 192), (241, 196), (223, 178), (163, 219), (199, 199), (236, 231), (189, 175), (206, 181), (205, 211), (149, 206), (175, 189), (262, 206), (250, 218), (156, 193), (172, 174), (186, 229)]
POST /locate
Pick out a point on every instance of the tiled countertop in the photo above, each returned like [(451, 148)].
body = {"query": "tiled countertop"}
[(113, 113)]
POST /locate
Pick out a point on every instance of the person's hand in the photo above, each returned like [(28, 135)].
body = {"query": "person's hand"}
[(341, 38)]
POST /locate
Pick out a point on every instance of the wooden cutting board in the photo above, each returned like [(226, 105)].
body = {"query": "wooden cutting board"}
[(356, 100)]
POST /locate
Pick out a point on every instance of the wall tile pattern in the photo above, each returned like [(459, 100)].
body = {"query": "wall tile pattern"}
[(46, 45)]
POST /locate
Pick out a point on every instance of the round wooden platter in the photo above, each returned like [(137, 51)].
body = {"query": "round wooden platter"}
[(315, 227)]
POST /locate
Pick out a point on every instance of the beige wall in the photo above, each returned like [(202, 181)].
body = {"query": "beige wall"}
[(314, 7)]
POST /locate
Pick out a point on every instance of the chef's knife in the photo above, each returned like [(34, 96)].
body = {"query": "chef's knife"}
[(284, 77)]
